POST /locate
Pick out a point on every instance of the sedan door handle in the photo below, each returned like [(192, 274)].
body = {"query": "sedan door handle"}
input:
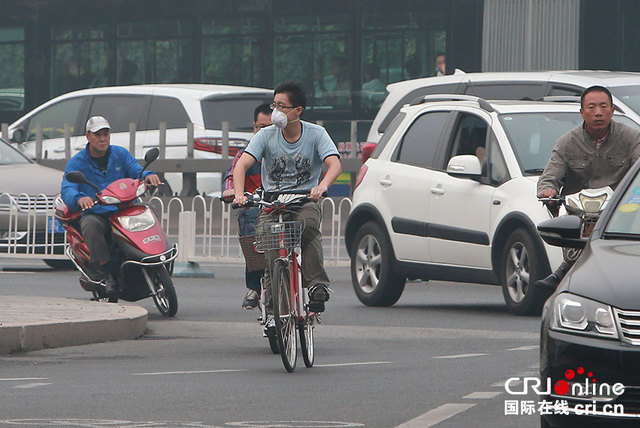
[(437, 190), (386, 182)]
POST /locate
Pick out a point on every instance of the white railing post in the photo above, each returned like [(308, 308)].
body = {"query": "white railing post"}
[(186, 236), (354, 139), (162, 144), (132, 139), (38, 142), (5, 131), (225, 140)]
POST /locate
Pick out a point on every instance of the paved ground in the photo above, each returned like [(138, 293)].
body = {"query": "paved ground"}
[(28, 322)]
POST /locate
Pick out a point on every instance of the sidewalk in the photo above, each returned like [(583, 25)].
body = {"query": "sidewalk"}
[(30, 323)]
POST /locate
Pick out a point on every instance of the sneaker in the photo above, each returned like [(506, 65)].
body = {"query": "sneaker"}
[(318, 294), (251, 300), (270, 326)]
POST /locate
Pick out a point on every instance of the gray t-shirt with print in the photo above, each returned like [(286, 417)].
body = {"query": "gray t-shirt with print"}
[(291, 166)]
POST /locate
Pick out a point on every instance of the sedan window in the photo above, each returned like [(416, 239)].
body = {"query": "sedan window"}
[(10, 156)]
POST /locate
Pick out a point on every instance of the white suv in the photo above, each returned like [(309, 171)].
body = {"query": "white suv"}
[(624, 86), (449, 193), (206, 106)]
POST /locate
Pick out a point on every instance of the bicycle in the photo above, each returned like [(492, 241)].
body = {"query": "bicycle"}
[(279, 238)]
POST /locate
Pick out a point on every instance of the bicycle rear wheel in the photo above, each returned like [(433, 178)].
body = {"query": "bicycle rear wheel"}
[(285, 315), (306, 338)]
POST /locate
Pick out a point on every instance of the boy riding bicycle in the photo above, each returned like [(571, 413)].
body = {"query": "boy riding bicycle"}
[(292, 153)]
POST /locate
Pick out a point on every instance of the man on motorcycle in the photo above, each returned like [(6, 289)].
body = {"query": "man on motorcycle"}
[(101, 164), (292, 154), (597, 154)]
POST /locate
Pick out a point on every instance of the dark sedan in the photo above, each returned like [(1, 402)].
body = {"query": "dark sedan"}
[(590, 333)]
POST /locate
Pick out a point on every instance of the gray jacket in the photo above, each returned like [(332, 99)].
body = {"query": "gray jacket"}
[(575, 163)]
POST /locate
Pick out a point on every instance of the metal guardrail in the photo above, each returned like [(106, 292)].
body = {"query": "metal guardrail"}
[(205, 229), (28, 227), (188, 166)]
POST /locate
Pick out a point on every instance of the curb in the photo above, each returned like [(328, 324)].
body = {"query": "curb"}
[(32, 323)]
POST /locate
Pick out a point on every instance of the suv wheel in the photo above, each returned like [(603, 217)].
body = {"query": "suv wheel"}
[(372, 275), (521, 267)]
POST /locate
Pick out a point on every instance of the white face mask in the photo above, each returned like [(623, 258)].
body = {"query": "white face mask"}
[(278, 118)]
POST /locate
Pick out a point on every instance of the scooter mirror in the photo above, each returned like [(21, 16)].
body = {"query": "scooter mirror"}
[(76, 177), (151, 155)]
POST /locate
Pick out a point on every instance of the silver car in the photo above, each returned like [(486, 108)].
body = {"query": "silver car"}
[(27, 193)]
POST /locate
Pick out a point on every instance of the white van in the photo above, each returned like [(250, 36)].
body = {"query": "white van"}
[(624, 86), (206, 106)]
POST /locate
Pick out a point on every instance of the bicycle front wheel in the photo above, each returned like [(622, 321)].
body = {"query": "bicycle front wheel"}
[(285, 315), (306, 337)]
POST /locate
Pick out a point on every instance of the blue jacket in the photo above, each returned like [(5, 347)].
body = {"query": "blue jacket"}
[(121, 165)]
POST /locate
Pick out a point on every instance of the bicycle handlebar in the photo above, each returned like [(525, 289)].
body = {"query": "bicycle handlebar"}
[(255, 200)]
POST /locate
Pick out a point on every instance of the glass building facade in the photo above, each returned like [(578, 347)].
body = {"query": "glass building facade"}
[(344, 52)]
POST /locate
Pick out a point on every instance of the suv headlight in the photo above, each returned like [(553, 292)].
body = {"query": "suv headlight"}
[(138, 223), (577, 314)]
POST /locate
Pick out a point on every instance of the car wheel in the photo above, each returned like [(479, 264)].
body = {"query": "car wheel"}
[(521, 267), (372, 275), (59, 264)]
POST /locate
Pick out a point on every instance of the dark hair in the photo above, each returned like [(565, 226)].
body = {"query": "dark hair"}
[(595, 88), (262, 108), (294, 91), (439, 54)]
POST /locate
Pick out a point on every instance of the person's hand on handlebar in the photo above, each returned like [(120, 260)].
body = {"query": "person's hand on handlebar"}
[(548, 193), (86, 202), (240, 200), (153, 180), (317, 192)]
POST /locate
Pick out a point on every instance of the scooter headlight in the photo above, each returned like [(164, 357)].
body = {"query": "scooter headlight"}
[(139, 222), (111, 200), (141, 189)]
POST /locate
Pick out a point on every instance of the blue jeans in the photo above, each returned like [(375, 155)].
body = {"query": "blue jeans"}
[(247, 218)]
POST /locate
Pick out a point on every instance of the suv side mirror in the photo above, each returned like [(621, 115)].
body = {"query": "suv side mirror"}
[(563, 231), (465, 166)]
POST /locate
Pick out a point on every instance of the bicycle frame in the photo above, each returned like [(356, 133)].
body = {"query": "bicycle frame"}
[(281, 239)]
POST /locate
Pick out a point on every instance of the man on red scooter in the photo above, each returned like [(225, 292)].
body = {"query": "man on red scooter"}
[(101, 164)]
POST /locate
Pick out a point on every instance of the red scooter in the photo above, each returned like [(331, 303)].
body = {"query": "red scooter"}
[(138, 244)]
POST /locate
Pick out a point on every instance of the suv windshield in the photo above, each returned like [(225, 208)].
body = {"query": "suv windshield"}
[(533, 136), (238, 112), (10, 156)]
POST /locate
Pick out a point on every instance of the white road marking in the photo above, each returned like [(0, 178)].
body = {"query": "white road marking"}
[(30, 385), (459, 356), (21, 379), (482, 395), (353, 364), (524, 348), (436, 415), (188, 372)]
